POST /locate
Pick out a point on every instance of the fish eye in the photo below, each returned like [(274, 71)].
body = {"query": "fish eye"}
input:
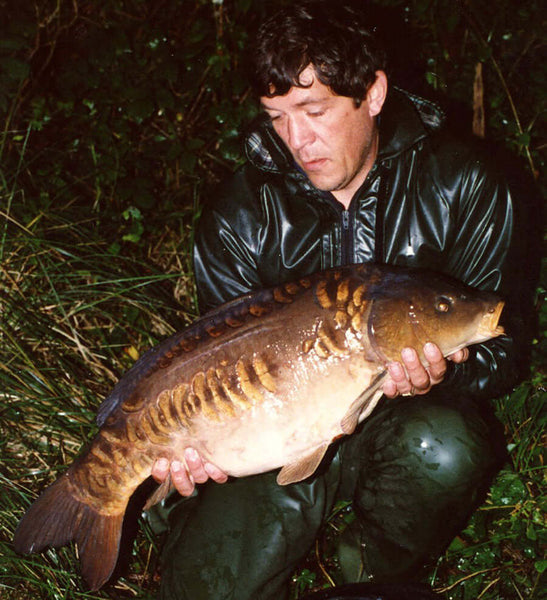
[(443, 304)]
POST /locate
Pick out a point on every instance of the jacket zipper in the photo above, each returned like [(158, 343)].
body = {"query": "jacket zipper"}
[(347, 238)]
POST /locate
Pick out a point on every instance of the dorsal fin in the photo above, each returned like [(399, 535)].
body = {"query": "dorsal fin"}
[(229, 315)]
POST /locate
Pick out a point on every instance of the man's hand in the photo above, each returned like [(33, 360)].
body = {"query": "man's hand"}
[(185, 476), (409, 377)]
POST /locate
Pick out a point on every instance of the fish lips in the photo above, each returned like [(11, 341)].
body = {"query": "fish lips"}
[(489, 326)]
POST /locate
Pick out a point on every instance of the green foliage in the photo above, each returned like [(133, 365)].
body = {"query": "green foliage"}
[(130, 104), (74, 318), (500, 553), (139, 104), (451, 38)]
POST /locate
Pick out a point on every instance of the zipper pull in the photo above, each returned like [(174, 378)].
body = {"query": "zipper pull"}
[(345, 219)]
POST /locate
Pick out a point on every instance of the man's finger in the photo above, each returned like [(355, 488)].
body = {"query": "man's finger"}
[(418, 377), (182, 480), (195, 465), (459, 356), (160, 470), (390, 389), (215, 473), (400, 379), (437, 363)]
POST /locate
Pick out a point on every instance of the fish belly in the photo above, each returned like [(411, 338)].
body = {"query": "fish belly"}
[(279, 431)]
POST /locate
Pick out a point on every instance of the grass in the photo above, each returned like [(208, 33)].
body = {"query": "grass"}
[(73, 319), (75, 314)]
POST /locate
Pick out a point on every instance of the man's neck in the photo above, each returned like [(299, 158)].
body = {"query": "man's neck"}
[(345, 195)]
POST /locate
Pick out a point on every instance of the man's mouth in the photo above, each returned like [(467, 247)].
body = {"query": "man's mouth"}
[(313, 165)]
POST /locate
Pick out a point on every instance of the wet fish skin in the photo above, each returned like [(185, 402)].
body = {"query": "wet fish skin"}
[(266, 381)]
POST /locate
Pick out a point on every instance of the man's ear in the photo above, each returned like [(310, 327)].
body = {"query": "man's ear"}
[(376, 94)]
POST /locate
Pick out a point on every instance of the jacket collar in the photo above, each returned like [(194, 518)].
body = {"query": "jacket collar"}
[(404, 121)]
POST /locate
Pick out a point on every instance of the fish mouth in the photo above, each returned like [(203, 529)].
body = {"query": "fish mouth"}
[(489, 325)]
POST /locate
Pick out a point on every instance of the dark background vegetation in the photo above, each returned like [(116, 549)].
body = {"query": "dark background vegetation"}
[(118, 118)]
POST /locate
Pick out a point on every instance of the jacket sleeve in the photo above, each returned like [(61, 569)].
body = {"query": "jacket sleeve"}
[(225, 248), (487, 252)]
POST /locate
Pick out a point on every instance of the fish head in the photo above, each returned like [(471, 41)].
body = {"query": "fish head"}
[(419, 307)]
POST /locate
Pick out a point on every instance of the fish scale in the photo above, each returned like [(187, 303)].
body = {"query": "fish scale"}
[(267, 381)]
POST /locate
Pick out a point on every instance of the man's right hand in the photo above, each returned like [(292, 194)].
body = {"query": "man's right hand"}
[(185, 476)]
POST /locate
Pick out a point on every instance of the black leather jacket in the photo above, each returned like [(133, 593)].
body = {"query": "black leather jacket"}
[(429, 201)]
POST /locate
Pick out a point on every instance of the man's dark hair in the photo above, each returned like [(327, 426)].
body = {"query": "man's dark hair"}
[(331, 36)]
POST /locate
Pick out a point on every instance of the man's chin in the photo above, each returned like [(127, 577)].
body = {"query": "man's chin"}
[(322, 183)]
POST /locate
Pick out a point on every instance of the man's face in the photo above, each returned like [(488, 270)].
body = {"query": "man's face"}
[(333, 141)]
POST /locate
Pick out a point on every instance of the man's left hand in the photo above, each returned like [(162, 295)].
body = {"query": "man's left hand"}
[(409, 377)]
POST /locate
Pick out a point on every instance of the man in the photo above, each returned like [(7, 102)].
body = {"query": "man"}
[(341, 169)]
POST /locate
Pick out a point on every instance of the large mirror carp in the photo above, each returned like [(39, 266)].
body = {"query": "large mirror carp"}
[(266, 381)]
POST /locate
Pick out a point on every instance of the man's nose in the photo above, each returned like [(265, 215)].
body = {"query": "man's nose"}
[(299, 133)]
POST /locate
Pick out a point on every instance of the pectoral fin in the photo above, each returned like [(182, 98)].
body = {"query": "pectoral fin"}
[(363, 405), (160, 493), (302, 468)]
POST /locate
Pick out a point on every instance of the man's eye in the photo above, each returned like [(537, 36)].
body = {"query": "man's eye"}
[(316, 113)]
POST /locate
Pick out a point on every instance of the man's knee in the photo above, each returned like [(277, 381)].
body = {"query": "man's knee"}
[(451, 446), (418, 469), (427, 445)]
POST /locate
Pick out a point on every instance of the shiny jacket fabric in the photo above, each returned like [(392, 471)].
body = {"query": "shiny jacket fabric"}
[(430, 201)]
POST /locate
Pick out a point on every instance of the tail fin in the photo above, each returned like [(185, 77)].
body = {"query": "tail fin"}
[(57, 518)]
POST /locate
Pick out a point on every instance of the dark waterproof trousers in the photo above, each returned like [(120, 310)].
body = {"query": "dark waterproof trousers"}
[(414, 471)]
